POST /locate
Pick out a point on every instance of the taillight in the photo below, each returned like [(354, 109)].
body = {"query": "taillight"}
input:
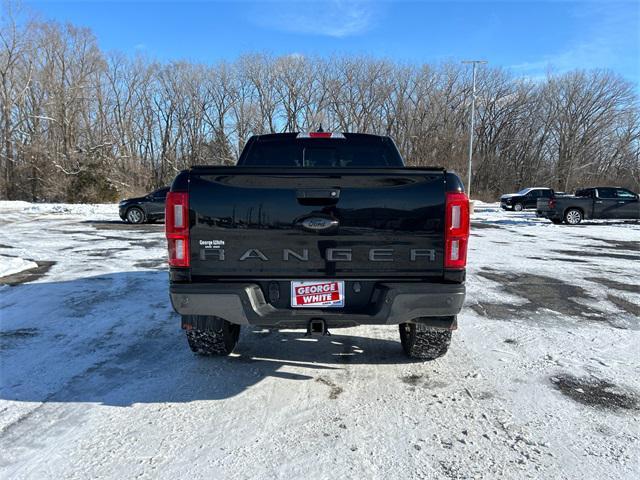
[(456, 230), (177, 228), (552, 203)]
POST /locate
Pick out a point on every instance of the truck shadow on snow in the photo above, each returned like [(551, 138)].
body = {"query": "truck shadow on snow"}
[(114, 340)]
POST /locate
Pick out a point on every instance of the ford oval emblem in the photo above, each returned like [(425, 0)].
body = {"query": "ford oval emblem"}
[(319, 224)]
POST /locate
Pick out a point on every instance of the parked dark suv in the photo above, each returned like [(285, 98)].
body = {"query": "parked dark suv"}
[(526, 198), (149, 208)]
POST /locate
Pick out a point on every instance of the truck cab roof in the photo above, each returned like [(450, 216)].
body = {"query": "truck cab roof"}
[(320, 150)]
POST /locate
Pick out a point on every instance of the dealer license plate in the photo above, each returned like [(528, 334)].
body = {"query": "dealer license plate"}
[(317, 294)]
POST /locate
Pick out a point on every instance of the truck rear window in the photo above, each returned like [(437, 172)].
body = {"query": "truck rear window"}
[(322, 153)]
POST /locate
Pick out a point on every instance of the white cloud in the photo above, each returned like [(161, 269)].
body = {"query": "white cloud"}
[(332, 18)]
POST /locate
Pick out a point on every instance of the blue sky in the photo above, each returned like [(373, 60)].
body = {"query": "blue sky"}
[(530, 38)]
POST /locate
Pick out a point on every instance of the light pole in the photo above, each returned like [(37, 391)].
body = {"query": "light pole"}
[(473, 116)]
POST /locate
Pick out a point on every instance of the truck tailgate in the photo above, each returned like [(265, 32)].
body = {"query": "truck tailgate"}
[(543, 206), (315, 223)]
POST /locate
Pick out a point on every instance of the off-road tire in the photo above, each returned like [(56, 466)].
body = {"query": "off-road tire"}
[(215, 342), (135, 215), (573, 216), (424, 343), (518, 207)]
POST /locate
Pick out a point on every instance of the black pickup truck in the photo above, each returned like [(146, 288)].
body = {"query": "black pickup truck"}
[(316, 231), (590, 203), (525, 198)]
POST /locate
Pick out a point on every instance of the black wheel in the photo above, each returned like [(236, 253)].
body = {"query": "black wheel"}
[(518, 207), (556, 221), (573, 216), (219, 339), (422, 342), (135, 215)]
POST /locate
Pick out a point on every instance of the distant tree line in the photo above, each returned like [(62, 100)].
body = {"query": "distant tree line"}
[(79, 124)]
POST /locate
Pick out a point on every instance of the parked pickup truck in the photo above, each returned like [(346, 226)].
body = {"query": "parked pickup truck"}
[(317, 231), (525, 198), (590, 203)]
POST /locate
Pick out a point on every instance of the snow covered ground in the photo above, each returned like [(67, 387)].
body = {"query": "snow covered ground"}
[(13, 265), (542, 379)]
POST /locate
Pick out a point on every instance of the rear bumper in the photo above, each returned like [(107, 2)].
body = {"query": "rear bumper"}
[(550, 214), (244, 304)]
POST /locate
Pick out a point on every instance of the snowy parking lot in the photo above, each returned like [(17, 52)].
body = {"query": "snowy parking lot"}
[(542, 379)]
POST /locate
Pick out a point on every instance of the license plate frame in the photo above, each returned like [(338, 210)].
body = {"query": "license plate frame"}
[(317, 294)]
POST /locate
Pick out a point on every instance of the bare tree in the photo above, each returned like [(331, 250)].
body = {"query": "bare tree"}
[(79, 125)]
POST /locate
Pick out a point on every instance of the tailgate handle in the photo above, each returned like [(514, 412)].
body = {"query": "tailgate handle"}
[(318, 195)]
